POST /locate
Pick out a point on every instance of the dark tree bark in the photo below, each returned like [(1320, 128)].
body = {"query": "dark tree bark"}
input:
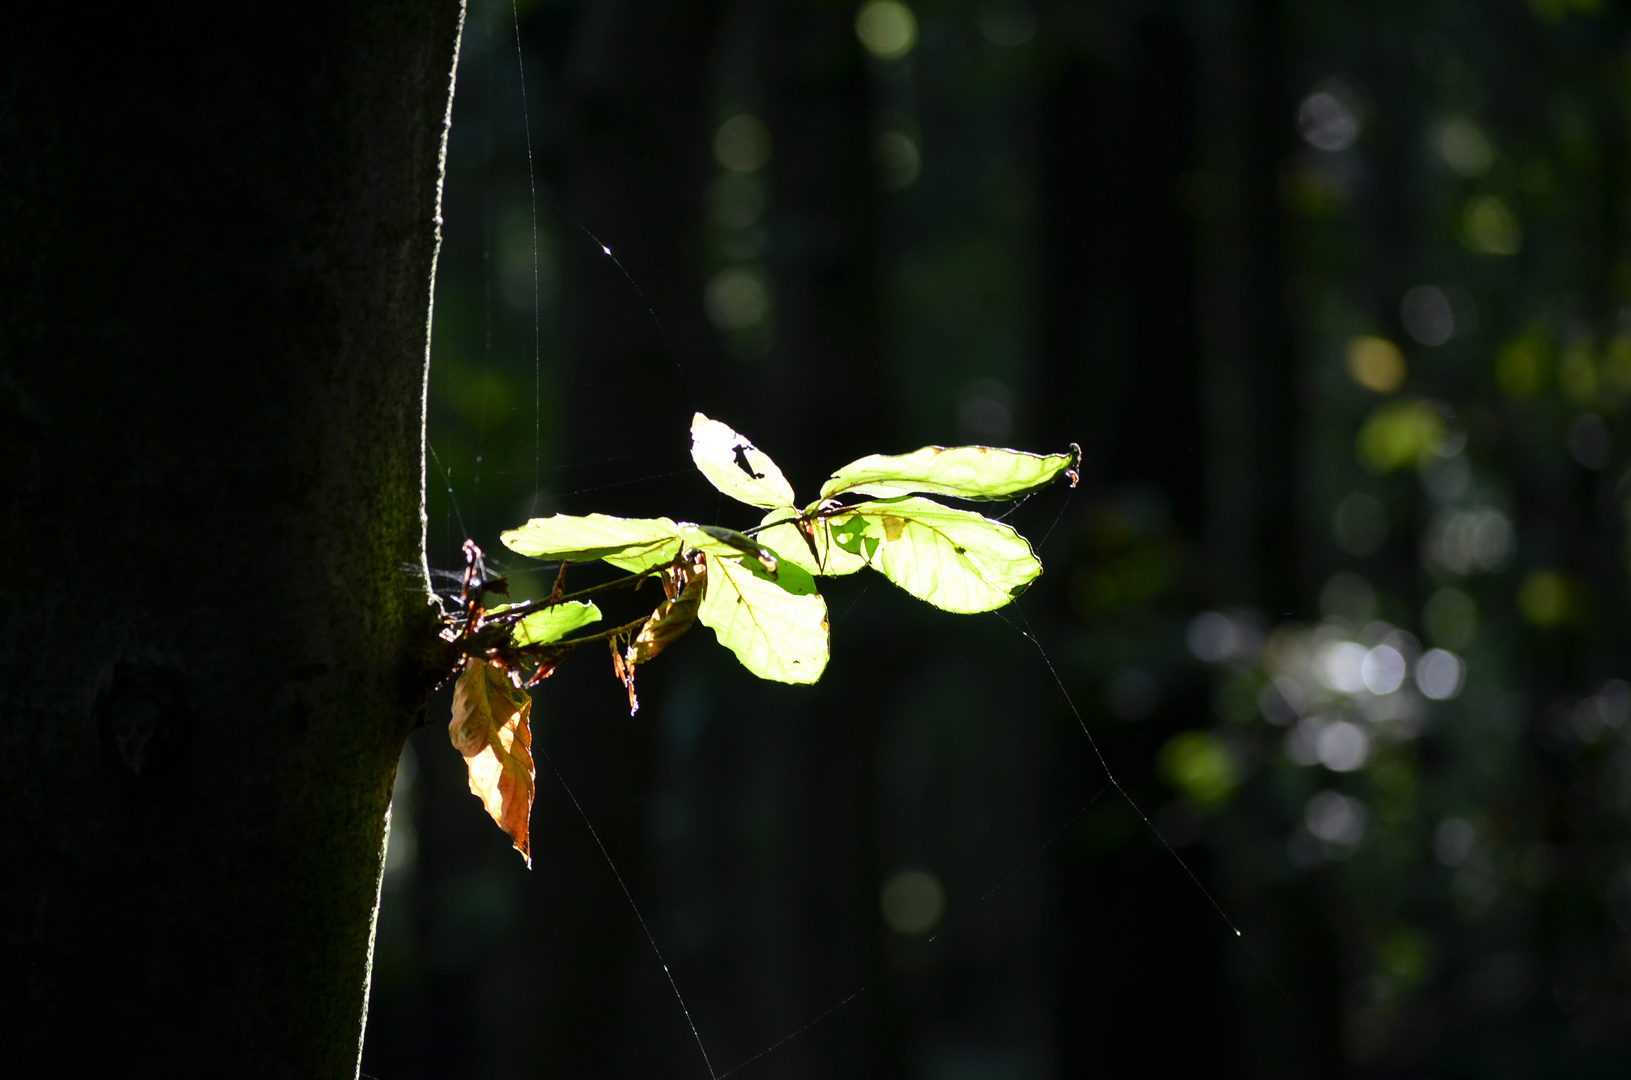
[(218, 228)]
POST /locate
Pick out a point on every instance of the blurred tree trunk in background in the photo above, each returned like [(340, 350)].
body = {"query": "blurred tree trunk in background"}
[(621, 144), (1166, 342), (219, 234), (1255, 552), (1121, 356), (1195, 237), (634, 97)]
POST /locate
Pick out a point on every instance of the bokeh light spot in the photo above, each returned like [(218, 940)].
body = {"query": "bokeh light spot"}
[(1215, 638), (1342, 747), (1469, 541), (887, 28), (1523, 365), (1589, 442), (1327, 121), (1546, 598), (1198, 765), (1440, 674), (1489, 227), (1383, 670), (737, 298), (742, 143), (1341, 666), (899, 160), (1460, 142), (1376, 363), (1336, 818), (1426, 315), (1397, 435), (912, 901)]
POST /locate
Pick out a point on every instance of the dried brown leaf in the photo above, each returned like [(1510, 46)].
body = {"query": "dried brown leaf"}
[(624, 673), (671, 619), (491, 727)]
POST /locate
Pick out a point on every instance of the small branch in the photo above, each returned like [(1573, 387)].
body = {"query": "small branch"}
[(568, 644), (520, 611)]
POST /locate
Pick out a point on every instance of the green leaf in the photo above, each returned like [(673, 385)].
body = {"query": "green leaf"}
[(631, 544), (736, 467), (552, 623), (830, 556), (964, 472), (954, 559), (777, 628)]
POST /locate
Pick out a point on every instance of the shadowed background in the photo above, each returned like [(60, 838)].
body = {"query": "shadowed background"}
[(1334, 298)]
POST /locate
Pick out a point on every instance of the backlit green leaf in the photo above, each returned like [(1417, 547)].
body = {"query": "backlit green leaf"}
[(790, 545), (965, 472), (735, 466), (778, 629), (632, 544), (552, 623), (954, 559)]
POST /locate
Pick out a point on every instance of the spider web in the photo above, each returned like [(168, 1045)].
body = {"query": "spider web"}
[(962, 914)]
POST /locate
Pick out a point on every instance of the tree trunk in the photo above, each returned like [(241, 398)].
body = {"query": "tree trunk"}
[(218, 229)]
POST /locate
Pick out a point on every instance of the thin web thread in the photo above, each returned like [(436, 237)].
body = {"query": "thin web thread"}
[(1105, 765), (1057, 518), (447, 481), (650, 938), (1028, 860), (1030, 636), (673, 353), (537, 335), (1111, 780), (673, 985), (784, 1040), (950, 924), (486, 254)]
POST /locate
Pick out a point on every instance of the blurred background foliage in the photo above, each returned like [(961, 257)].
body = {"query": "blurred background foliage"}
[(1335, 296)]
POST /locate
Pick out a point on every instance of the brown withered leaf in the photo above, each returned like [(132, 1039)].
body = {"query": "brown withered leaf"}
[(672, 618), (491, 728), (625, 674), (684, 586)]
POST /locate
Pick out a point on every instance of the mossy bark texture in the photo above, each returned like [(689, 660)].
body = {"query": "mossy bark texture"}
[(218, 229)]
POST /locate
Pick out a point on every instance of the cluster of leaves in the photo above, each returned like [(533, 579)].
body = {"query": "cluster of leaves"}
[(754, 588)]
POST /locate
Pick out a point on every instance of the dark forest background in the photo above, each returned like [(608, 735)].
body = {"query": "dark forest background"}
[(1336, 298)]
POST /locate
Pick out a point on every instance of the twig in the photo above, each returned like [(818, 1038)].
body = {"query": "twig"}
[(527, 607), (568, 644)]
